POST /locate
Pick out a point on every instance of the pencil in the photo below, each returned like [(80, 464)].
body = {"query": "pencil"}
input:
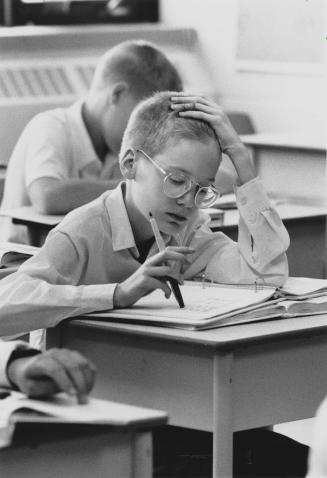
[(161, 246)]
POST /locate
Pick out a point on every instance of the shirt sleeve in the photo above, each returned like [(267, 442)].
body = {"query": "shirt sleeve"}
[(6, 349), (258, 255), (44, 291), (47, 149)]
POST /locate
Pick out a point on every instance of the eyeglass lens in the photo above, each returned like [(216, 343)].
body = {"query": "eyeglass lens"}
[(176, 185)]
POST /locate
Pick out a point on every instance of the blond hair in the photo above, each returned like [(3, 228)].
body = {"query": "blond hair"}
[(153, 124), (144, 67)]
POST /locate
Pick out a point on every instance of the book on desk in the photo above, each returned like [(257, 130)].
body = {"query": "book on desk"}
[(210, 305), (61, 408)]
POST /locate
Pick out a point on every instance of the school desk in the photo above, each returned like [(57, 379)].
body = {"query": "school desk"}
[(220, 380), (290, 164), (43, 449), (38, 225)]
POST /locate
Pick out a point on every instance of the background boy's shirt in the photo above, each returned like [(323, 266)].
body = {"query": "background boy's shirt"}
[(55, 144), (6, 349), (93, 248), (317, 463)]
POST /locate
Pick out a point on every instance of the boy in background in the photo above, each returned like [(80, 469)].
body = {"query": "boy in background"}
[(69, 156)]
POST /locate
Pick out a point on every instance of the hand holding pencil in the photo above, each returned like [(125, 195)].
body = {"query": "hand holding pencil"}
[(152, 274), (161, 246)]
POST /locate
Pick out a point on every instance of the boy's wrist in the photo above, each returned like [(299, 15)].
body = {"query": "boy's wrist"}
[(17, 358), (241, 159), (117, 297)]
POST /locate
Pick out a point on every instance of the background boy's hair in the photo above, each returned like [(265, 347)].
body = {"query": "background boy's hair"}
[(141, 64), (153, 123)]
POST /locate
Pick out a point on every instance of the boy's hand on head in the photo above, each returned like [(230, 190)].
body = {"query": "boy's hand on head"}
[(199, 107), (56, 370), (152, 275)]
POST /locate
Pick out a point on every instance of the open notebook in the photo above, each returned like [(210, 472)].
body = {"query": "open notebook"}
[(209, 305)]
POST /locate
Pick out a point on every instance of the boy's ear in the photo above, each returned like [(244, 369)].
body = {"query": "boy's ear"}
[(117, 91), (127, 164)]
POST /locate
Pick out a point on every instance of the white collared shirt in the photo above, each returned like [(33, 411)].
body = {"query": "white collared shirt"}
[(6, 349), (93, 249), (54, 144)]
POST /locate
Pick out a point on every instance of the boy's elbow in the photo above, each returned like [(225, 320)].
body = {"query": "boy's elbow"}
[(46, 198), (44, 204), (278, 272)]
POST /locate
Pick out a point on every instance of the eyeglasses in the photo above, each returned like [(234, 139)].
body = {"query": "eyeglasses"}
[(176, 184)]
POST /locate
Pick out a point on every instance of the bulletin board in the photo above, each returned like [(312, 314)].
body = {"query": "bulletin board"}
[(281, 34)]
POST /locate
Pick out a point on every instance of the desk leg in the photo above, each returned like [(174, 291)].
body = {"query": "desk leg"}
[(142, 455), (53, 337), (222, 416)]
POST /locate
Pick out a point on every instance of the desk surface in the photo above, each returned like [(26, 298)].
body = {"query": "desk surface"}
[(27, 215), (219, 338), (284, 141)]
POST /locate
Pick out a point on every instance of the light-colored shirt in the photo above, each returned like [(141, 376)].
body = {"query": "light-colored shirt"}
[(6, 349), (317, 463), (55, 144), (93, 249)]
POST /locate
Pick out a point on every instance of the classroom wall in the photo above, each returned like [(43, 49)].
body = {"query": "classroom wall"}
[(286, 102)]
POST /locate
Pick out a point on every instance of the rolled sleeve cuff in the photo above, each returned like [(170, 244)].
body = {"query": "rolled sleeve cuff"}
[(253, 196), (6, 349), (98, 297)]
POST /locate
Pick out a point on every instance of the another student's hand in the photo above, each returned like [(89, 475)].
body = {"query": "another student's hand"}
[(199, 107), (56, 370), (151, 275)]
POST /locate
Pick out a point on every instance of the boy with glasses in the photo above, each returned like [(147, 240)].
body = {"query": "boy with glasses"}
[(103, 255)]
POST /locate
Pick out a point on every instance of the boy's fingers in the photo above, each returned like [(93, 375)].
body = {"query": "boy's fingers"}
[(163, 285), (165, 271), (49, 368), (79, 370), (190, 99)]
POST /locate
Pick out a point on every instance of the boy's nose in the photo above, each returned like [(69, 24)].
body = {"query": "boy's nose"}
[(187, 199)]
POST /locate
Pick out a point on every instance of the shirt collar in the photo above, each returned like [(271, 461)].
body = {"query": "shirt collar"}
[(84, 152), (121, 229)]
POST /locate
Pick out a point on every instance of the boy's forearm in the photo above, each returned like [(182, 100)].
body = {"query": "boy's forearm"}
[(241, 159), (61, 197)]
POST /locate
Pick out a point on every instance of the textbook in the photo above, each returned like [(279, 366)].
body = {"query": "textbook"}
[(13, 255), (211, 305), (61, 408)]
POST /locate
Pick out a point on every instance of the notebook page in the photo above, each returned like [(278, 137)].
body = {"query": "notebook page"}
[(303, 285), (200, 302)]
